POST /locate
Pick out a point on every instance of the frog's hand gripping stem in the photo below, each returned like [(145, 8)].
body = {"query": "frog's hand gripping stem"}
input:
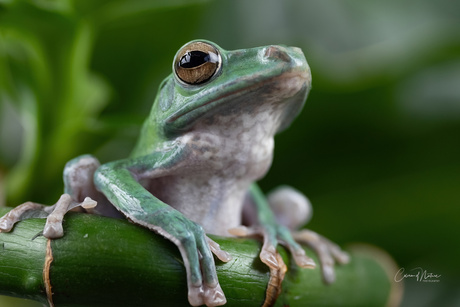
[(53, 214), (293, 210), (79, 192), (272, 233), (116, 181), (328, 252), (273, 229)]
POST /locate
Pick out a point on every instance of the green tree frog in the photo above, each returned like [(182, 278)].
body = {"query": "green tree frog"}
[(208, 138)]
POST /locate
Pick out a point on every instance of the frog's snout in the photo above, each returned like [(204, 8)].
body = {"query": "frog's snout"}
[(292, 57), (277, 53)]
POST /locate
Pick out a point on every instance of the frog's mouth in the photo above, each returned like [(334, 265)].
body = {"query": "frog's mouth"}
[(288, 84)]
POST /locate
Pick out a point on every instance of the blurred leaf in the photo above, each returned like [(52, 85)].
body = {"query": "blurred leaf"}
[(64, 62), (115, 10), (24, 74), (47, 94)]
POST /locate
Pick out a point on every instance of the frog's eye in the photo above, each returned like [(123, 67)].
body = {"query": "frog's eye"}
[(196, 63)]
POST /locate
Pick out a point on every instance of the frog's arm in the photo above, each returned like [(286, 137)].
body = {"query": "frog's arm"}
[(118, 182)]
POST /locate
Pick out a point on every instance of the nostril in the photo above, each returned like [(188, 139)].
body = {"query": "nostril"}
[(275, 52)]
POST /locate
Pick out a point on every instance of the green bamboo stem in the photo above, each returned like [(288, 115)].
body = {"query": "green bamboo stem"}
[(107, 262)]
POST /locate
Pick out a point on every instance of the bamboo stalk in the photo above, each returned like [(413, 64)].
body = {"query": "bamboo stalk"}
[(108, 262)]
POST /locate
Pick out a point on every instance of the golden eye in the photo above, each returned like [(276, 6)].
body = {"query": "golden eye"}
[(196, 63)]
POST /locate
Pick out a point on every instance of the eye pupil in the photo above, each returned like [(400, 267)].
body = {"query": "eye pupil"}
[(193, 59)]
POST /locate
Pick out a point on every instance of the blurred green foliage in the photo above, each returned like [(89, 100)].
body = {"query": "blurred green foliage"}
[(376, 148)]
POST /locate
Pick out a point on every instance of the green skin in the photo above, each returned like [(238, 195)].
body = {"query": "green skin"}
[(193, 169)]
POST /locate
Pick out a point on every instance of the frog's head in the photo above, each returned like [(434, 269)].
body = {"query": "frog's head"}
[(209, 83)]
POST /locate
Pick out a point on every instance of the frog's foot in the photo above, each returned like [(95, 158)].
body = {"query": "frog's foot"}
[(202, 282), (271, 237), (270, 256), (292, 209), (196, 250), (53, 214), (328, 252)]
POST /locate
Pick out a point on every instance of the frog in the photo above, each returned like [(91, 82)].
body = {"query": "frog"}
[(207, 140)]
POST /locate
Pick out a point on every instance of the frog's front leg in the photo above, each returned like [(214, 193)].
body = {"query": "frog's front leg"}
[(119, 182), (77, 194)]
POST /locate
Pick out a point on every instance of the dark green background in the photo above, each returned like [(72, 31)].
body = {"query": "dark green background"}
[(376, 148)]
